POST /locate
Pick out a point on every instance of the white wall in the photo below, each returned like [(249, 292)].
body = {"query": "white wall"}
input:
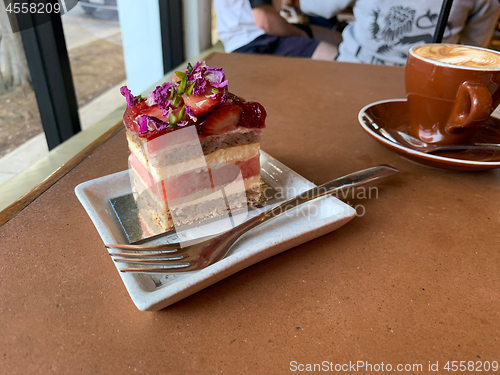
[(197, 26), (140, 26)]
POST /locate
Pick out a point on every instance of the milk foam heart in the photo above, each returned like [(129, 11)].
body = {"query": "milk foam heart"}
[(460, 55)]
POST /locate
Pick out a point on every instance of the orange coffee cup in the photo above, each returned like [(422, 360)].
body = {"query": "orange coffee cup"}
[(451, 90)]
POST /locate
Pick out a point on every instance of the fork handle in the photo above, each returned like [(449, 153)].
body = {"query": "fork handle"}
[(354, 179)]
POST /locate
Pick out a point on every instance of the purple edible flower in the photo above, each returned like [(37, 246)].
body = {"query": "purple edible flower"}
[(157, 123), (142, 121), (190, 113), (161, 94), (221, 84), (197, 71), (147, 123), (199, 87), (168, 109), (215, 77), (214, 74), (182, 123), (223, 98), (131, 99), (201, 74)]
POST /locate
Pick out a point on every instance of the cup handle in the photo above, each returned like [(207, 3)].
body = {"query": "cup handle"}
[(474, 104)]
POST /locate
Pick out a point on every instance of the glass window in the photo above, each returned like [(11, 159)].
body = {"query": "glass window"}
[(21, 134), (93, 40), (94, 43)]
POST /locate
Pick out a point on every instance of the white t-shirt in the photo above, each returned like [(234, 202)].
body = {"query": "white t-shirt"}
[(235, 23), (384, 30)]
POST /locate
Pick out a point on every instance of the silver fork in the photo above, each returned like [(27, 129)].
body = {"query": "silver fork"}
[(172, 258)]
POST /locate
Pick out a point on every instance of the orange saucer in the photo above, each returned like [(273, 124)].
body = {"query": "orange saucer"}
[(393, 114)]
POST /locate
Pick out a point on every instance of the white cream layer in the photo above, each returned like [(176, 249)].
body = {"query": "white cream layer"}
[(227, 155)]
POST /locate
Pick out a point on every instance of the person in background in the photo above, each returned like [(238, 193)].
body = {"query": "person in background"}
[(290, 10), (384, 30), (256, 26)]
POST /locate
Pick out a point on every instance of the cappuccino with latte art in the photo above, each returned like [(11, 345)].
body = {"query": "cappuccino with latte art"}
[(451, 90), (459, 55)]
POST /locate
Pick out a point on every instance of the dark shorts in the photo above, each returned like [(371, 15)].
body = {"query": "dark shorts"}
[(295, 46)]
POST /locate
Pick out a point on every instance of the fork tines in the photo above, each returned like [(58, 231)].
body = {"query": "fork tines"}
[(163, 257), (148, 261), (165, 246), (168, 255)]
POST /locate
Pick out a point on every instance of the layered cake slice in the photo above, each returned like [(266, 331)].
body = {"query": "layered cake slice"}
[(194, 149)]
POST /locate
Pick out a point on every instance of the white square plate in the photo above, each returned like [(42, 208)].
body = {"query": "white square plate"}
[(154, 292)]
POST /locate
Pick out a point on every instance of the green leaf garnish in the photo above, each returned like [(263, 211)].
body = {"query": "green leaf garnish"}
[(181, 113), (172, 120), (190, 89), (177, 100), (190, 68), (182, 86), (180, 74), (215, 91)]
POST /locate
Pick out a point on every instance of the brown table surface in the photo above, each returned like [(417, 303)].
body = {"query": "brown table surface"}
[(415, 279)]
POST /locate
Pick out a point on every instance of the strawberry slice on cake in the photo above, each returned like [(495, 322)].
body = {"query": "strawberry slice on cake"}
[(182, 137)]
